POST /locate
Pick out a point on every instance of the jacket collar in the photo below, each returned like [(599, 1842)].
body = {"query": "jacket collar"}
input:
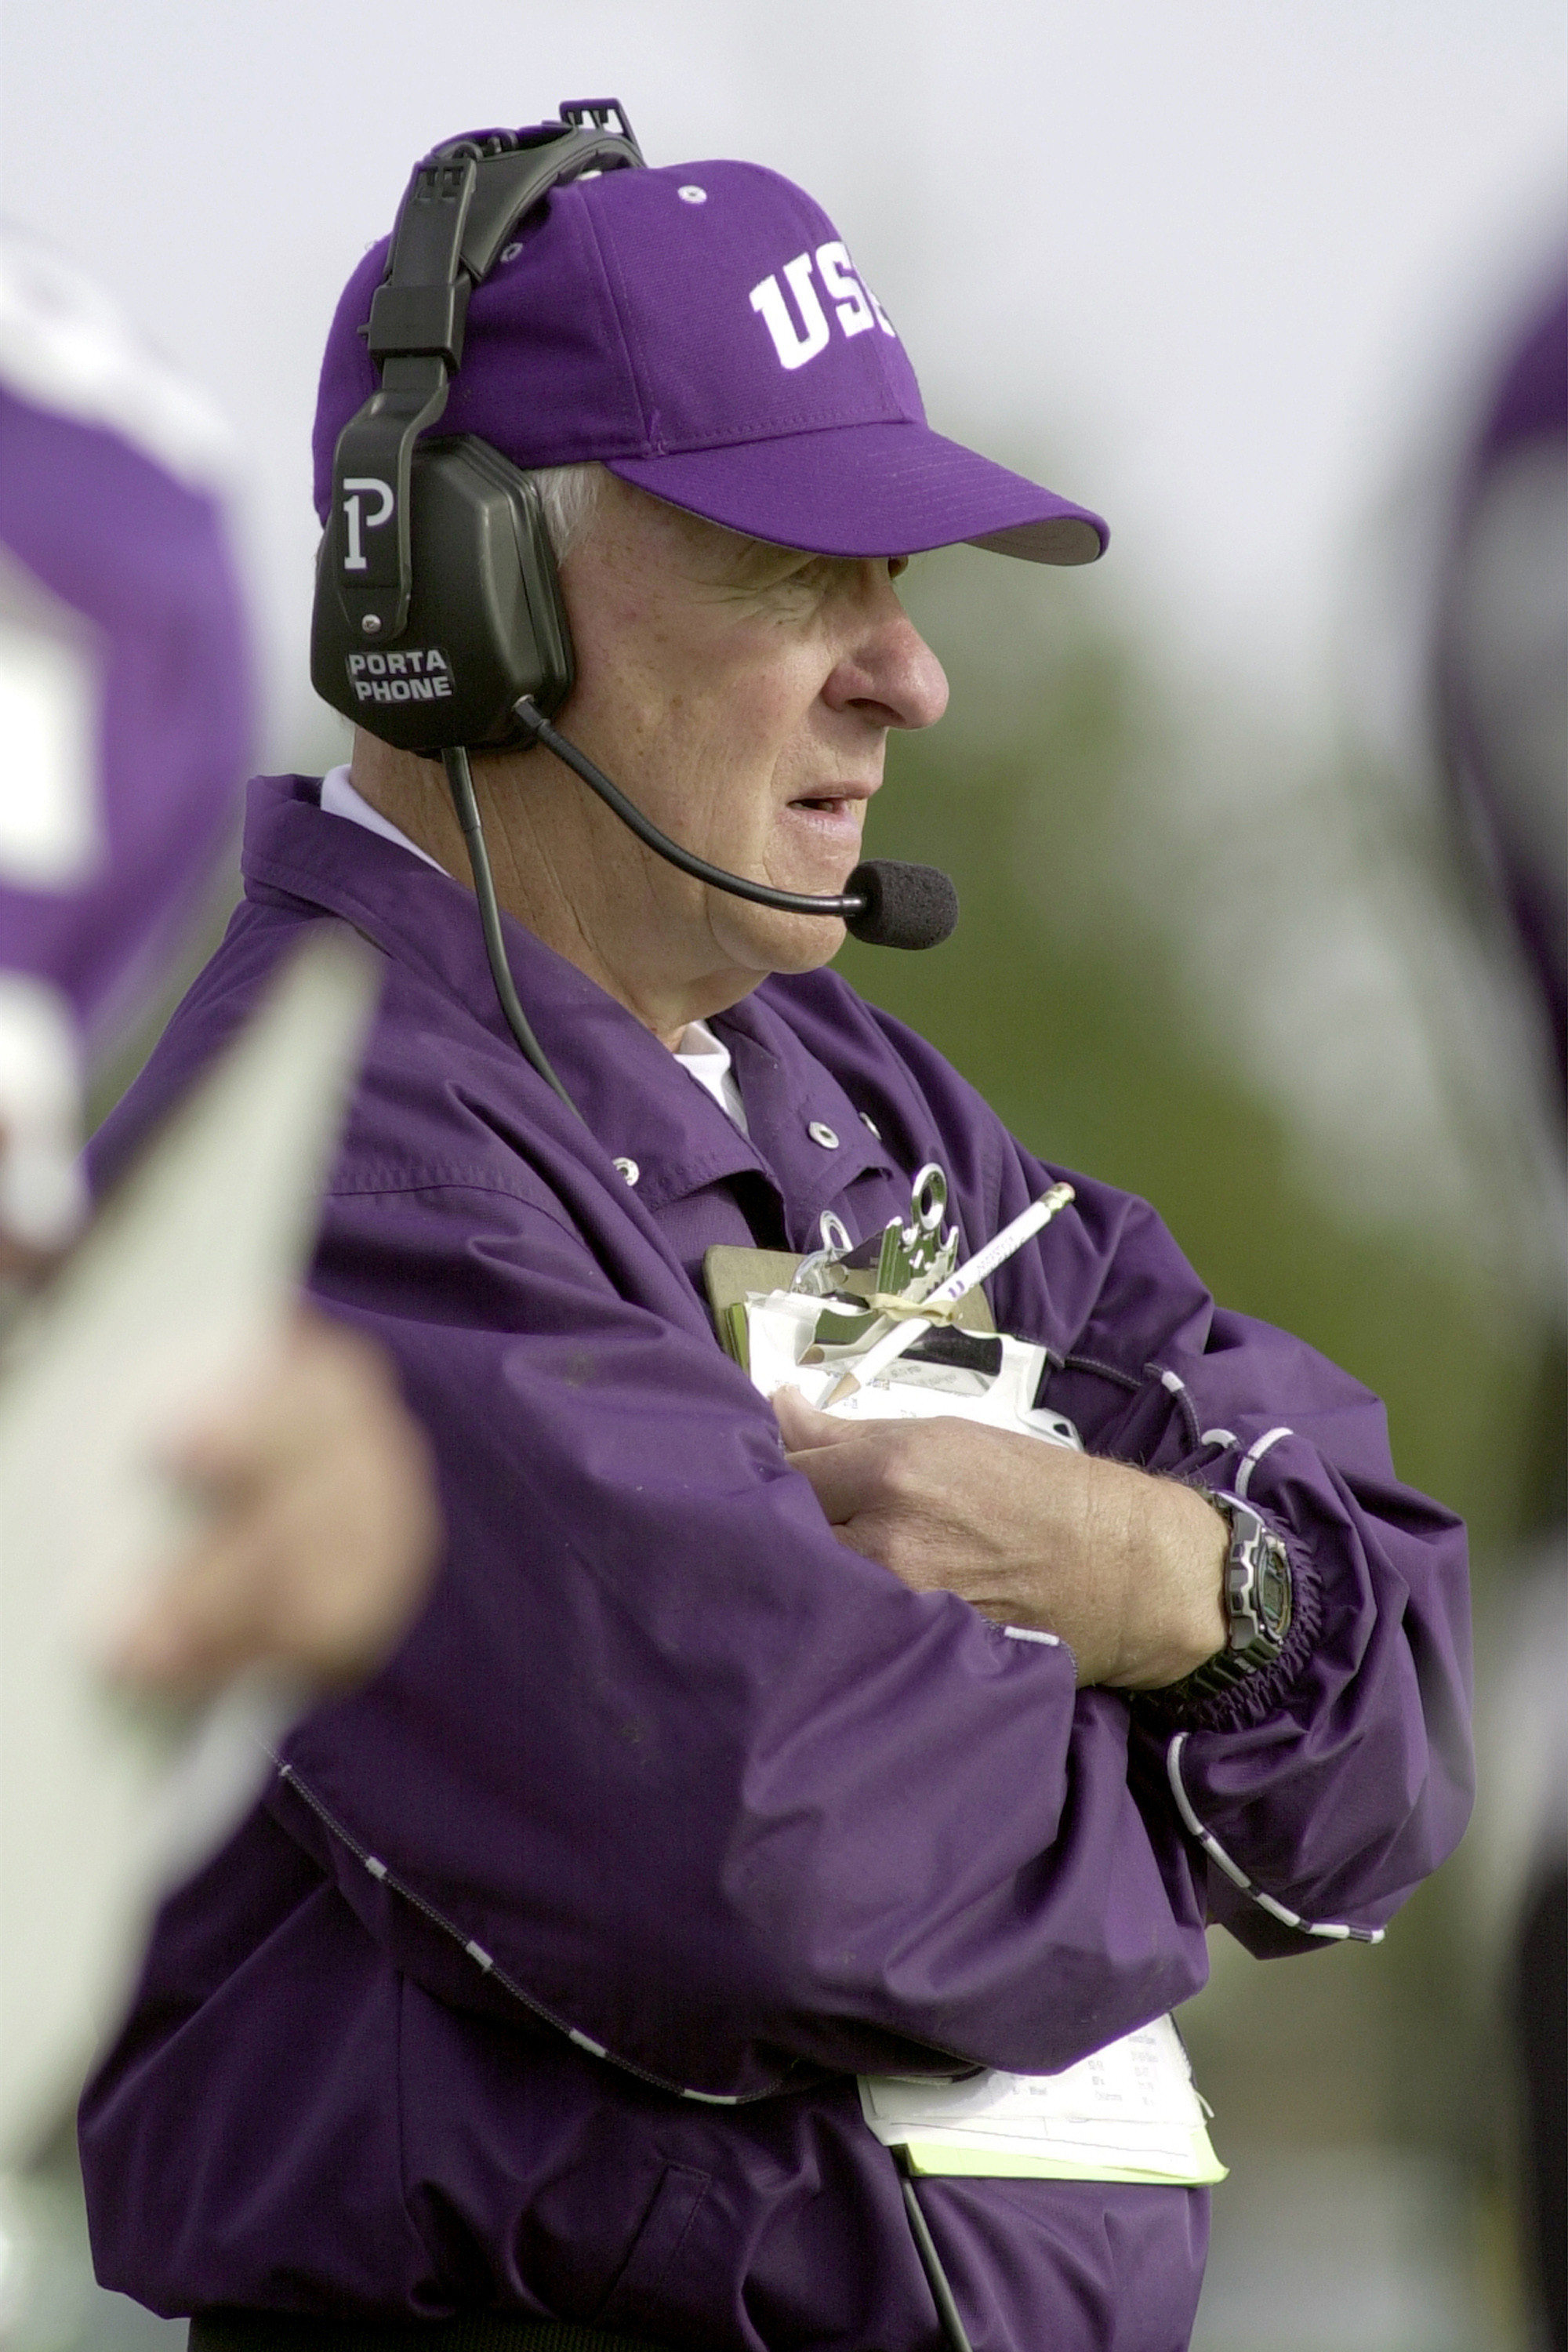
[(637, 1101)]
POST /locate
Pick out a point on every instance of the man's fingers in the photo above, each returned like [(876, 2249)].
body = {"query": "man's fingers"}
[(839, 1476), (320, 1530), (804, 1429), (205, 1618)]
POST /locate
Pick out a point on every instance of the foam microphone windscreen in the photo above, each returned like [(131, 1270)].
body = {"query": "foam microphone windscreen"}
[(906, 906)]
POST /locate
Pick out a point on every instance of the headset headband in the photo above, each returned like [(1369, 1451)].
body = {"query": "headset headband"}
[(462, 204)]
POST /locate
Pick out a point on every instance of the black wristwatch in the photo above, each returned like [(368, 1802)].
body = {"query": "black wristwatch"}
[(1258, 1602)]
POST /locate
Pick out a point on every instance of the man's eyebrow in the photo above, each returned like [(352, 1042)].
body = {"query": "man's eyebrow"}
[(756, 558), (763, 563)]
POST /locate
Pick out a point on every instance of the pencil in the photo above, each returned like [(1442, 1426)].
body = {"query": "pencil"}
[(963, 1278)]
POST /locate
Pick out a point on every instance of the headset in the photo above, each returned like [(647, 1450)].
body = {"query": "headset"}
[(438, 621)]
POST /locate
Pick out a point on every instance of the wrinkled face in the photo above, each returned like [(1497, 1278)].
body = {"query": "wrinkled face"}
[(742, 694)]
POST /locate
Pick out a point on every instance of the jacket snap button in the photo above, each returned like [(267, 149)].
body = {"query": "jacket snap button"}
[(821, 1133), (870, 1124), (629, 1169)]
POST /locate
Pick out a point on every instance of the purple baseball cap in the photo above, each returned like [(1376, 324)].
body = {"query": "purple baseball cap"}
[(702, 332)]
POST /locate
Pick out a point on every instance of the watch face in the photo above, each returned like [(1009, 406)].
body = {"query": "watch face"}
[(1273, 1590)]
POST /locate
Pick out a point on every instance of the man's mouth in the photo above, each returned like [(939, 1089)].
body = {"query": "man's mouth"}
[(834, 799)]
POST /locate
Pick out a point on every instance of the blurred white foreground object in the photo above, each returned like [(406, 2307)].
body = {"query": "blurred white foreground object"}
[(187, 1276)]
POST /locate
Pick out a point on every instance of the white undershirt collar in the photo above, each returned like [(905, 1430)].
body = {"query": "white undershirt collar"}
[(339, 798), (707, 1059)]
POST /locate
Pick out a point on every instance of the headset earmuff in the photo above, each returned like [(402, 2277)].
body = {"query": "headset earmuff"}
[(437, 606)]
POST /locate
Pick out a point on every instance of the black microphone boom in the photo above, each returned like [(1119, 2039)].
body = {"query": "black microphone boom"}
[(885, 903)]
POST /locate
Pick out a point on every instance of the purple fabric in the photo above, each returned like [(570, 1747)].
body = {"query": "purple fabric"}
[(1530, 400), (666, 1775), (623, 327), (1528, 407), (146, 562)]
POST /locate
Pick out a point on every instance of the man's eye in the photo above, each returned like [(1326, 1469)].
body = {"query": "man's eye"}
[(805, 578)]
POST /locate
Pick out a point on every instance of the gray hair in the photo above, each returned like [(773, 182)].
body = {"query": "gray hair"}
[(569, 496)]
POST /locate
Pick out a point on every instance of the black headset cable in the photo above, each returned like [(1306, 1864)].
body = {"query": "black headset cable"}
[(461, 782), (953, 2329)]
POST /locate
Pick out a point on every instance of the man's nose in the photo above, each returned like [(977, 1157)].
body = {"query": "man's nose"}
[(887, 674)]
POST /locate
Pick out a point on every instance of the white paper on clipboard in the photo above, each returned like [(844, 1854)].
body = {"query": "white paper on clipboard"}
[(1128, 2113), (187, 1275)]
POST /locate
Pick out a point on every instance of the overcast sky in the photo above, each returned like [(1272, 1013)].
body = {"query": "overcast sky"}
[(1213, 262)]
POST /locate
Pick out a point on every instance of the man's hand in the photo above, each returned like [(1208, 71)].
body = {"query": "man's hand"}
[(323, 1530), (1126, 1569)]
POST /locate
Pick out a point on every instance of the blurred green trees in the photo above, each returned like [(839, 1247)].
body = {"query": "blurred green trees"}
[(1065, 996)]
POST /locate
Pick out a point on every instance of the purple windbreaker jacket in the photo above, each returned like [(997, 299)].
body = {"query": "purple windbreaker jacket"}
[(541, 1977)]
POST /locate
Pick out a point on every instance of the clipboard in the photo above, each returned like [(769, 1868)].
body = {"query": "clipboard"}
[(1130, 2113), (732, 1275)]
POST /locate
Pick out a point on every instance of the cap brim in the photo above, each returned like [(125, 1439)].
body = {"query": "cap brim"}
[(887, 488)]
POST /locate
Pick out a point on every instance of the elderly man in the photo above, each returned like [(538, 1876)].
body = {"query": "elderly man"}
[(724, 1768)]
